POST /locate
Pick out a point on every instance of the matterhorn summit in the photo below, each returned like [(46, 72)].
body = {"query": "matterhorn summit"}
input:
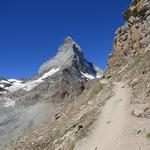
[(71, 56)]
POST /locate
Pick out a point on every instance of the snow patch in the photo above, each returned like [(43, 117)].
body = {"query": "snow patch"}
[(14, 80), (2, 85), (88, 76), (17, 84), (32, 84), (4, 81), (99, 75), (51, 72), (2, 92), (9, 102)]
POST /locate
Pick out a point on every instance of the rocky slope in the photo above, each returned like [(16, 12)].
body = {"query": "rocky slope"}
[(71, 56), (29, 103), (69, 102), (125, 118), (129, 60), (132, 39)]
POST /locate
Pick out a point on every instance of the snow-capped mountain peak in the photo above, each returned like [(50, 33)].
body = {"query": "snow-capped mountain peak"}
[(69, 40), (70, 55)]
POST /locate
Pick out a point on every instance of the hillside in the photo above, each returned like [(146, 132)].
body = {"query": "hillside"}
[(71, 104)]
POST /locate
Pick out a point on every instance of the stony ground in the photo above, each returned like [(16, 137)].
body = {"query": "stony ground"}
[(71, 124), (116, 128)]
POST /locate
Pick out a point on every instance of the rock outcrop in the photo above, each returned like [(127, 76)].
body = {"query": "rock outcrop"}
[(131, 39), (130, 58)]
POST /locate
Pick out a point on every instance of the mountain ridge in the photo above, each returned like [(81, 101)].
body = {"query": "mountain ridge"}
[(70, 54)]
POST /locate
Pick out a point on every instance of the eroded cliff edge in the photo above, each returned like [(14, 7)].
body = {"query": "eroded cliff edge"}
[(130, 57)]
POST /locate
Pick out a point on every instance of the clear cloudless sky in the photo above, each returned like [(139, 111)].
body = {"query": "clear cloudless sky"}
[(32, 30)]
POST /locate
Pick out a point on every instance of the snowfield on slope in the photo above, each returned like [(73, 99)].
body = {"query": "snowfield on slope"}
[(18, 84), (9, 102), (88, 76), (91, 77)]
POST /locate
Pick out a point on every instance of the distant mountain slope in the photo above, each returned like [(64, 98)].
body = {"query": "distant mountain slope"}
[(25, 104)]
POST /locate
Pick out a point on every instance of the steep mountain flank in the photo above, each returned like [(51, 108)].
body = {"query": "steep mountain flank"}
[(132, 39), (129, 59), (29, 103), (71, 56)]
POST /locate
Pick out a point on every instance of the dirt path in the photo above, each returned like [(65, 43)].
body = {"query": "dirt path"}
[(112, 130)]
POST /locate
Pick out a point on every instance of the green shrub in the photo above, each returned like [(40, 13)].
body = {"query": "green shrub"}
[(146, 109), (148, 135)]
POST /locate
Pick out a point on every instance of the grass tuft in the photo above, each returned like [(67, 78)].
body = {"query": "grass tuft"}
[(148, 135)]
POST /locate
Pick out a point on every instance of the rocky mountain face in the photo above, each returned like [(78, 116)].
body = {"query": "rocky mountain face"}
[(25, 104), (132, 39), (129, 60), (71, 56)]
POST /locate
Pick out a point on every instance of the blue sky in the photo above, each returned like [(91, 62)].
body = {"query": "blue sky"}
[(32, 30)]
